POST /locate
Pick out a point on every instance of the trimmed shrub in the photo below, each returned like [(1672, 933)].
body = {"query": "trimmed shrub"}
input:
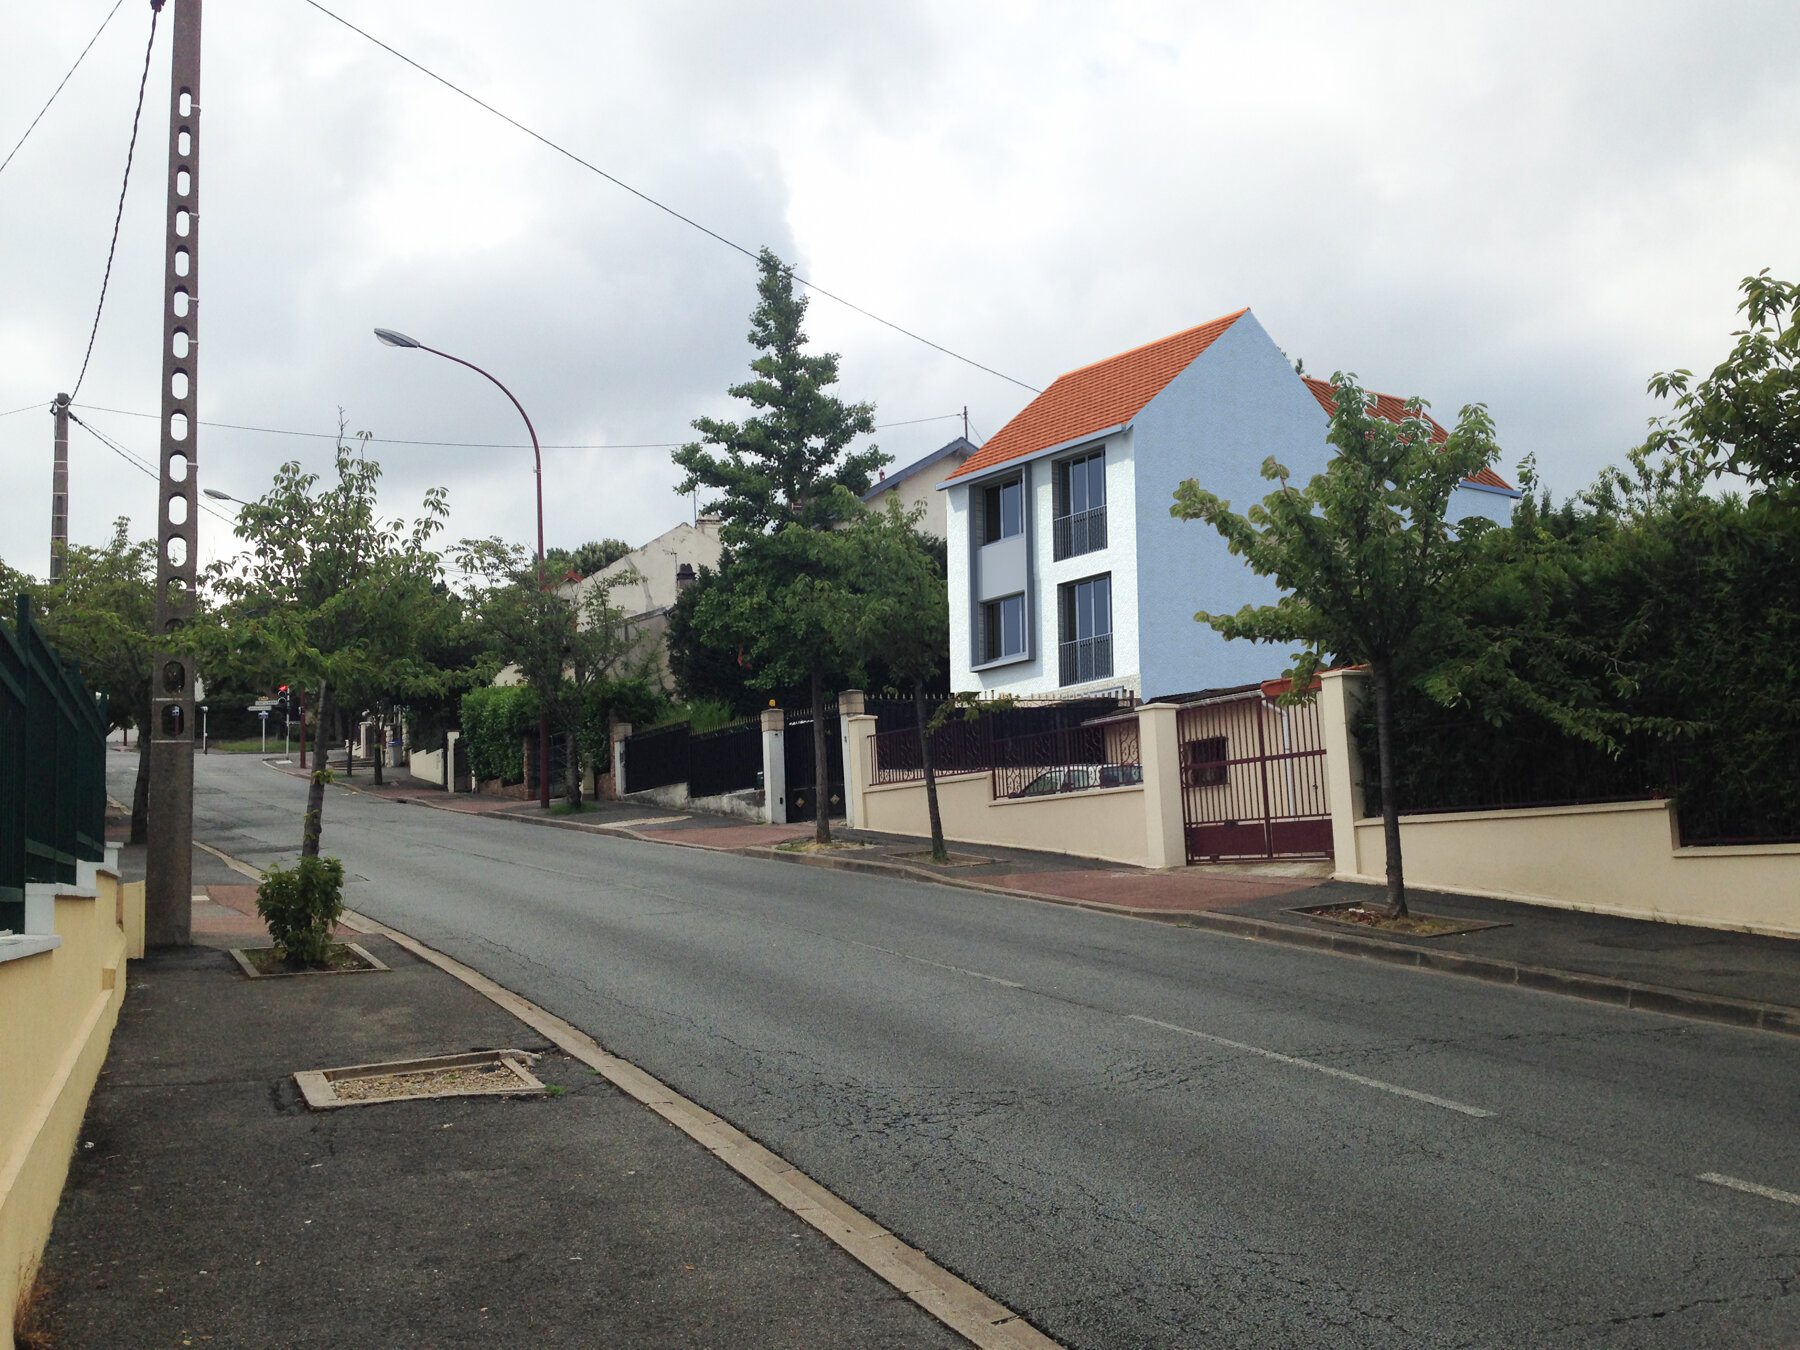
[(302, 906), (494, 722)]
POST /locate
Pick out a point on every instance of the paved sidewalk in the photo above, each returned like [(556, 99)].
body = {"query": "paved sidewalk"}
[(207, 1206)]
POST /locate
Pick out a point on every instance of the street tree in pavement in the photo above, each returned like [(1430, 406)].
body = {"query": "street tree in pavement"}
[(785, 471), (900, 614), (331, 596), (1372, 571)]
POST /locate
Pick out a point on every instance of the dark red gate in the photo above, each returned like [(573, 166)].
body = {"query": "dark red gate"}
[(1253, 779)]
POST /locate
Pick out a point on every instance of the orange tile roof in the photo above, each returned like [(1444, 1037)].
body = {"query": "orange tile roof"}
[(1095, 398), (1394, 409)]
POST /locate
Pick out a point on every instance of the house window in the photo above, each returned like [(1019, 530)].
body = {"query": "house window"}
[(1086, 650), (1002, 629), (1002, 511), (1203, 762), (1080, 522)]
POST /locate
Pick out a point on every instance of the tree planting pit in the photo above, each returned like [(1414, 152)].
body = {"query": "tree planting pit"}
[(481, 1073), (1368, 917), (343, 958)]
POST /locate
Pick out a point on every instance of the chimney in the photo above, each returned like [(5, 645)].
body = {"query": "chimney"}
[(684, 577)]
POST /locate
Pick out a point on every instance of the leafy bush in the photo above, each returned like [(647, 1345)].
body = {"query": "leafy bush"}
[(701, 714), (495, 720), (302, 906)]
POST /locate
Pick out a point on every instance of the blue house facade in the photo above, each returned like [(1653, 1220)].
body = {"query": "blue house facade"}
[(1067, 573)]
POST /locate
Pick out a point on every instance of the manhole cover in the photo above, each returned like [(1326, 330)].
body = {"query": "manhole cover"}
[(483, 1073)]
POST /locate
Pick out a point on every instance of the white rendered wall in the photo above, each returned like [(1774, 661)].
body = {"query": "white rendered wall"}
[(1040, 674)]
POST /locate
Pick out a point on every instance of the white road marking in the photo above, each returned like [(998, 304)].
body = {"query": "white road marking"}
[(1298, 1063), (1751, 1188)]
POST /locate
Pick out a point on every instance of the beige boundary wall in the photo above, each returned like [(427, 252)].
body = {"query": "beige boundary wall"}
[(1617, 858), (59, 1000), (1139, 825)]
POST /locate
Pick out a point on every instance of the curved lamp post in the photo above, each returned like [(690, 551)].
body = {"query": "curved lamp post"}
[(388, 337)]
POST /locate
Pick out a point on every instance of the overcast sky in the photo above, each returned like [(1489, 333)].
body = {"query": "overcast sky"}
[(1530, 206)]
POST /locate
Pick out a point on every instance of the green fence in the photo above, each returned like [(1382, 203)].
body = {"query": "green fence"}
[(52, 767)]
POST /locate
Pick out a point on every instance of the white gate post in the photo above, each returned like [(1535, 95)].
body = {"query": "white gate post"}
[(1340, 696), (450, 740), (621, 732), (774, 751)]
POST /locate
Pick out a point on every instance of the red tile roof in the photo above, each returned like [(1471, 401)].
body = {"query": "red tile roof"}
[(1095, 398), (1394, 409)]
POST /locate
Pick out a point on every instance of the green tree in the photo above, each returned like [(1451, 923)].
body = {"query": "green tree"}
[(331, 597), (1372, 571), (1744, 417), (593, 556), (573, 646), (784, 473), (900, 614)]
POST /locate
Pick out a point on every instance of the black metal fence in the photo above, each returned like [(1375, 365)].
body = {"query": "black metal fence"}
[(800, 764), (1068, 759), (52, 767), (656, 758), (726, 760), (964, 744)]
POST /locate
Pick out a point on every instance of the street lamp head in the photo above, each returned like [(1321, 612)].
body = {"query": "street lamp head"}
[(216, 495), (388, 337)]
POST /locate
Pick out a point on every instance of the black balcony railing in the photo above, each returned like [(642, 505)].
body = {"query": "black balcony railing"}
[(1080, 532), (1086, 659)]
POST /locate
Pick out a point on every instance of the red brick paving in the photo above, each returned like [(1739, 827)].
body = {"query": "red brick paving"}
[(1191, 891), (230, 911)]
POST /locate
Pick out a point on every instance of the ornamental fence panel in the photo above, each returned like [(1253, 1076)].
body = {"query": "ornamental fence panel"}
[(656, 758), (726, 760), (52, 767), (1100, 754)]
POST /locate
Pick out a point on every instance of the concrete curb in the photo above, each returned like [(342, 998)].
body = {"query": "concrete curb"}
[(953, 1301), (1631, 994)]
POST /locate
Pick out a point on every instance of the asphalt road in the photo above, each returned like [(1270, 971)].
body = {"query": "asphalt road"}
[(1135, 1135)]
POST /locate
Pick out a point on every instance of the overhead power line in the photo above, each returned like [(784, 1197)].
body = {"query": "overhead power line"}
[(454, 445), (59, 86), (661, 206), (113, 247), (138, 462)]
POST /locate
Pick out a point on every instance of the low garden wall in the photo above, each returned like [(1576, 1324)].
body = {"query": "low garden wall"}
[(59, 1000), (1104, 823)]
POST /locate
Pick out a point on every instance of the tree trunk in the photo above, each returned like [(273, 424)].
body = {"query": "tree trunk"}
[(140, 791), (380, 737), (821, 765), (572, 771), (1390, 803), (315, 793), (939, 854)]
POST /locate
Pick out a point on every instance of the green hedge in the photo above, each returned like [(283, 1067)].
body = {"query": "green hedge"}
[(494, 722)]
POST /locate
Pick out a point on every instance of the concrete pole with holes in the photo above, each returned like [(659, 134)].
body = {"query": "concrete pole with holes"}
[(59, 491), (169, 863)]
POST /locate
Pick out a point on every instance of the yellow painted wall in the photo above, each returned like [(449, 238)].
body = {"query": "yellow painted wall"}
[(1617, 858), (57, 1012), (1106, 823)]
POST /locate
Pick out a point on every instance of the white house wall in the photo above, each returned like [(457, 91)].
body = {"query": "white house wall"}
[(1239, 403)]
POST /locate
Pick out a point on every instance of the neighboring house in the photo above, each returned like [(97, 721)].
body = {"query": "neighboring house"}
[(663, 568), (1066, 570), (916, 484)]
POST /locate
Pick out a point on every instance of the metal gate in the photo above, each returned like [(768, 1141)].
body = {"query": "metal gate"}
[(1253, 779), (797, 756)]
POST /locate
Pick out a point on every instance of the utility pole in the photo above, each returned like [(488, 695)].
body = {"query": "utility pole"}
[(965, 421), (169, 862), (59, 491)]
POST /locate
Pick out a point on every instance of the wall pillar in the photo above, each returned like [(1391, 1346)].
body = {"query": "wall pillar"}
[(859, 766), (1341, 693), (1159, 747), (450, 740), (621, 732), (850, 704), (774, 751)]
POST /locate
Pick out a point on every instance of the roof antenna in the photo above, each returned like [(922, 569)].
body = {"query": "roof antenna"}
[(965, 421)]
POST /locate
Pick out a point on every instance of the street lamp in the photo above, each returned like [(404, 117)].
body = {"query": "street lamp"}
[(218, 496), (389, 338)]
